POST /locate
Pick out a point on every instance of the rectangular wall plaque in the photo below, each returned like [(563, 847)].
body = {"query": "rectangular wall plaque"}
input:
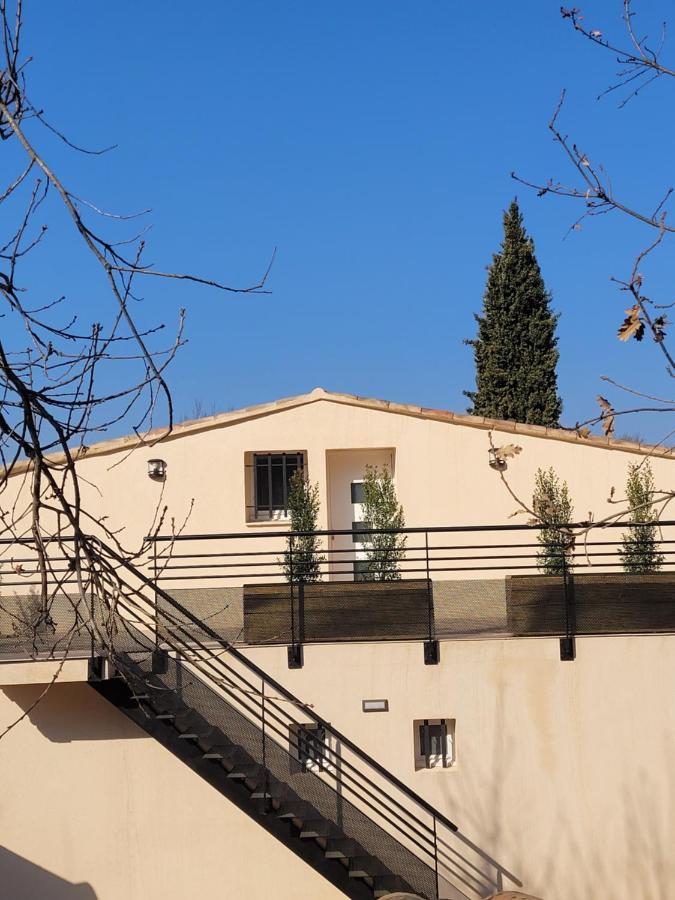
[(375, 705)]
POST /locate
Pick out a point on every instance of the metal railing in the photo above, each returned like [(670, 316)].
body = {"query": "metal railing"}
[(428, 551), (490, 580), (436, 573)]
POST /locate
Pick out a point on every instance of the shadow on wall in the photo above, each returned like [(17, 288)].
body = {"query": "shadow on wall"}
[(23, 880), (72, 712), (619, 846)]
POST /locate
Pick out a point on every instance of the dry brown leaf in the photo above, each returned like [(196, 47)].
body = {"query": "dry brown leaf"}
[(584, 432), (508, 451), (632, 325)]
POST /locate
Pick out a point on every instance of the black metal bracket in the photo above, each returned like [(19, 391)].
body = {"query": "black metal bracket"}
[(432, 653), (96, 668), (160, 663), (568, 648), (296, 656)]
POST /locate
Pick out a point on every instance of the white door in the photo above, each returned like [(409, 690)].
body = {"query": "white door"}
[(346, 471)]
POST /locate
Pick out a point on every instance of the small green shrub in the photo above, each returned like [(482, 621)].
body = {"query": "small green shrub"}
[(382, 510), (552, 505), (303, 564), (640, 554)]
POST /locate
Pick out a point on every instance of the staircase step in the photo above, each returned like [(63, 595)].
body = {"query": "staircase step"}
[(296, 809), (383, 885), (367, 867), (189, 720), (246, 771), (164, 702), (215, 740), (312, 828), (343, 848)]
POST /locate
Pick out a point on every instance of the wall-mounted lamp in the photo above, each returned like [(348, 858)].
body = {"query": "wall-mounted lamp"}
[(496, 462), (157, 469)]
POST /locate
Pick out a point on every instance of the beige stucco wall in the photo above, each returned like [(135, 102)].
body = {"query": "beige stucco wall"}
[(564, 772), (93, 808)]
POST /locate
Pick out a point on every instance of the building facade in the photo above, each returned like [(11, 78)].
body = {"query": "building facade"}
[(558, 773)]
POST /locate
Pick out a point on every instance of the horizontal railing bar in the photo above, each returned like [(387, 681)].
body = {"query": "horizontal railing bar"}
[(434, 529), (418, 571), (406, 560), (331, 551)]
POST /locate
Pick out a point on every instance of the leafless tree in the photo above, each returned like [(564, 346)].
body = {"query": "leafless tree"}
[(641, 62), (54, 368)]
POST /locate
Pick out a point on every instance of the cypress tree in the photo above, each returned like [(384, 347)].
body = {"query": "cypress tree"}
[(515, 349), (303, 559), (382, 510), (640, 548), (551, 503)]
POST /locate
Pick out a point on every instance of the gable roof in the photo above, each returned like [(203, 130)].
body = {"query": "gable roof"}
[(220, 420)]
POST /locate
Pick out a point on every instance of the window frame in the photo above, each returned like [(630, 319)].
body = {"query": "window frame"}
[(270, 513), (424, 759), (301, 740)]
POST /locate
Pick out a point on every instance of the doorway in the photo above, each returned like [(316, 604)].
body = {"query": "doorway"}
[(346, 470)]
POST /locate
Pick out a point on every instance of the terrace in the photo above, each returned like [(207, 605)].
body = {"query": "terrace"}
[(481, 581)]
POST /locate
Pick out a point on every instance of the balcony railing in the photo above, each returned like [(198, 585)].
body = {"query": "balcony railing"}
[(484, 580), (422, 583)]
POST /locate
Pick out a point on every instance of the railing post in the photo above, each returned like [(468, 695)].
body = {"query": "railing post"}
[(438, 890), (154, 583), (432, 650), (568, 650), (96, 665), (295, 653), (265, 806)]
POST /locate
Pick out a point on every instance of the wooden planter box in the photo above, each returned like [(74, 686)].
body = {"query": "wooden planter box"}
[(336, 611), (614, 603)]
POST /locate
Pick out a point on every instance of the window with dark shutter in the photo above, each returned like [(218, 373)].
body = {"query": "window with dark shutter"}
[(272, 473)]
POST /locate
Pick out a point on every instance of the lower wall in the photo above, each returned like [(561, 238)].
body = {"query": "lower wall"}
[(92, 808), (564, 775), (565, 771)]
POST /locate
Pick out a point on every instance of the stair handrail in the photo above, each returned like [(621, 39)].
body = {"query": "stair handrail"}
[(288, 695)]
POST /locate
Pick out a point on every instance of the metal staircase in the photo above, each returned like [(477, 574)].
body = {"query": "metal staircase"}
[(277, 759)]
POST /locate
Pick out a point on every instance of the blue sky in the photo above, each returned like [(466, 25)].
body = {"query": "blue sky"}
[(372, 144)]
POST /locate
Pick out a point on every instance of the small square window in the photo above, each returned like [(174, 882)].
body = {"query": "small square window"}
[(309, 746), (358, 492), (434, 743)]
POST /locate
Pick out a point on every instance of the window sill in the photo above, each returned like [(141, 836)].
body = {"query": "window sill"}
[(269, 523)]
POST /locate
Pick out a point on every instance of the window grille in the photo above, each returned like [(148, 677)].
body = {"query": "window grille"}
[(272, 473), (434, 743)]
